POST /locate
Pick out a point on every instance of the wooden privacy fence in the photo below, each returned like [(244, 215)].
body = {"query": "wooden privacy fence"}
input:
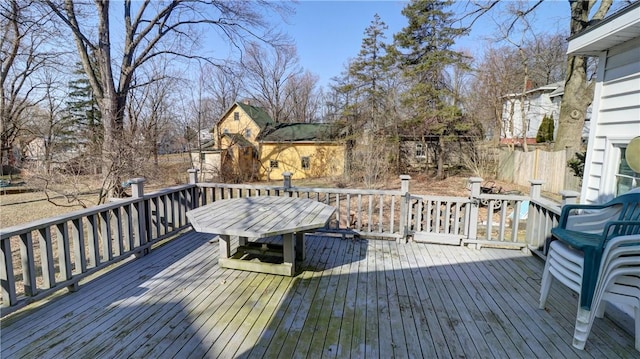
[(551, 167), (44, 256)]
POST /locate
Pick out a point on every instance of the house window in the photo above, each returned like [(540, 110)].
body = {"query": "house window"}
[(236, 116), (202, 156), (225, 131), (305, 162), (420, 150), (273, 163), (626, 178), (247, 133)]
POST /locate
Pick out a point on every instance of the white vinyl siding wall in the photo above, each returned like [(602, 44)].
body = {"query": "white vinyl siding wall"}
[(615, 120)]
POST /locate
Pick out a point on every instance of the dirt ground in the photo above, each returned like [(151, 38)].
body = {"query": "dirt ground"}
[(26, 207)]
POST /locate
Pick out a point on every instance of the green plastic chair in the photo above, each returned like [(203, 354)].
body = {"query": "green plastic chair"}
[(590, 231)]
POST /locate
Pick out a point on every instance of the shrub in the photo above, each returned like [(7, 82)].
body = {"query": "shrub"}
[(576, 164), (545, 131)]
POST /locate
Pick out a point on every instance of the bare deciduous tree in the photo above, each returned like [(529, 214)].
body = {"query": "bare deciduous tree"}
[(23, 55), (224, 86), (150, 30), (150, 113), (303, 98), (267, 74)]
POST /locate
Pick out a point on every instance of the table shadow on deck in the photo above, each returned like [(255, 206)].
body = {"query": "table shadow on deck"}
[(353, 298)]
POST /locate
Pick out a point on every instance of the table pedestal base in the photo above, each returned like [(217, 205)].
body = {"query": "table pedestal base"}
[(258, 257)]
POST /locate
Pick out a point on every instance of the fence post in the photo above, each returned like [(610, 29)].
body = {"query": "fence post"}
[(474, 183), (404, 208), (195, 191), (137, 191), (536, 216)]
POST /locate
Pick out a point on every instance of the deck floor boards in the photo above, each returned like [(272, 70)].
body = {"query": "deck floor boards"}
[(353, 298)]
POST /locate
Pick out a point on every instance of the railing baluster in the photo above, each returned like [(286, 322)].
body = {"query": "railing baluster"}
[(429, 216), (370, 219), (94, 249), (7, 276), (348, 214), (64, 252), (116, 221), (46, 257), (359, 221), (28, 265), (338, 209), (105, 233), (447, 218), (393, 215), (77, 233), (381, 207)]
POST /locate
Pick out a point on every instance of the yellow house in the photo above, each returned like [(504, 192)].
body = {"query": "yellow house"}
[(303, 149), (235, 135), (253, 146)]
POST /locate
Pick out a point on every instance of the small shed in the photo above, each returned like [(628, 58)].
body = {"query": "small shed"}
[(615, 119), (207, 159)]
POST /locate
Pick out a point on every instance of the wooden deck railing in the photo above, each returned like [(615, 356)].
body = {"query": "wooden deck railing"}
[(374, 213), (41, 257)]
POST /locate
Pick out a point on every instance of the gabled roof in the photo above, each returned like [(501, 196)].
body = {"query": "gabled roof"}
[(238, 139), (550, 88), (558, 92), (257, 114), (209, 145), (292, 132)]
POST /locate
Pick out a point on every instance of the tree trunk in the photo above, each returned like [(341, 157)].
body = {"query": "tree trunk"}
[(441, 154), (578, 92), (578, 95)]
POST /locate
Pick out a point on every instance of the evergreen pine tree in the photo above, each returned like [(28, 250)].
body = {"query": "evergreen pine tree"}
[(370, 69), (545, 131), (85, 119), (424, 52)]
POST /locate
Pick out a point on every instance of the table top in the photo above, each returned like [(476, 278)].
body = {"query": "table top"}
[(259, 217)]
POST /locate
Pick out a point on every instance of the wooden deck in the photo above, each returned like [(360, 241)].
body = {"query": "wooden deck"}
[(354, 298)]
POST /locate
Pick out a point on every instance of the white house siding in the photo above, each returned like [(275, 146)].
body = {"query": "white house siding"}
[(616, 119), (537, 104), (210, 167)]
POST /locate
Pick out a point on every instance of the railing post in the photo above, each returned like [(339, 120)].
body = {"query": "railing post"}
[(474, 183), (195, 191), (193, 175), (137, 187), (536, 188), (137, 191), (535, 217), (569, 197), (286, 179), (404, 208)]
